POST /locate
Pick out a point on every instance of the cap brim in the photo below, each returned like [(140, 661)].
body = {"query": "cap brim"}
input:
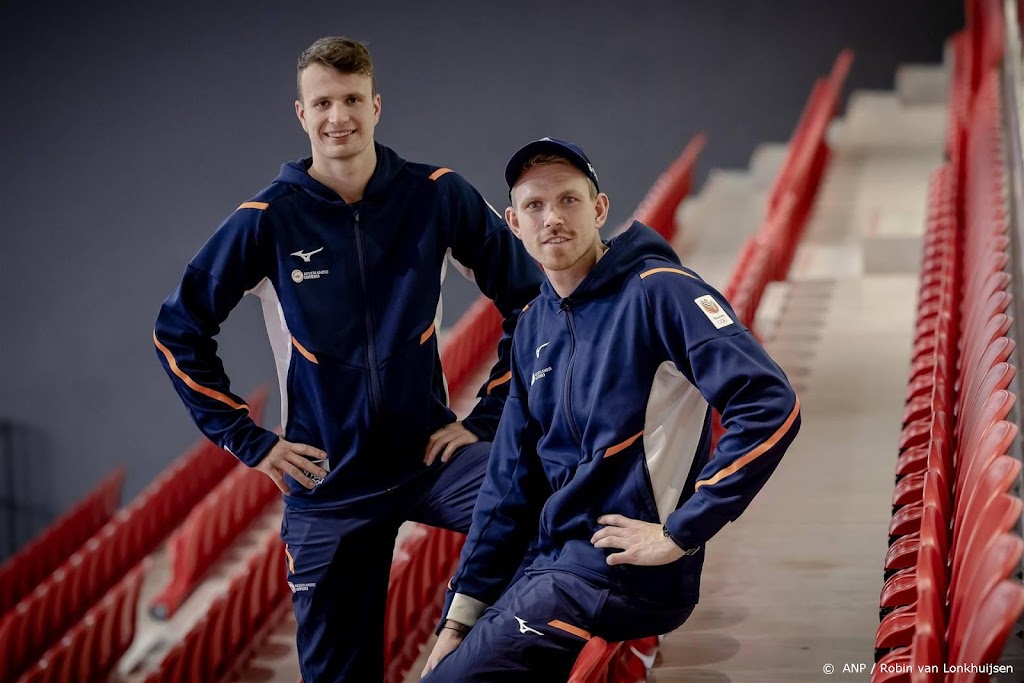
[(514, 168)]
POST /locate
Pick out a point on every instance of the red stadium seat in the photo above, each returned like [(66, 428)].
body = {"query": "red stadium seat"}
[(980, 641)]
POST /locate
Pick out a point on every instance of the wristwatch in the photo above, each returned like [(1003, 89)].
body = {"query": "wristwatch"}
[(686, 551)]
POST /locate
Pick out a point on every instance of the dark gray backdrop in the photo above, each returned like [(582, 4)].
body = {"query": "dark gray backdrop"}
[(130, 130)]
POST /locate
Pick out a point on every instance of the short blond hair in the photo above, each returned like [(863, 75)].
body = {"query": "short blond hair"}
[(342, 54), (545, 159)]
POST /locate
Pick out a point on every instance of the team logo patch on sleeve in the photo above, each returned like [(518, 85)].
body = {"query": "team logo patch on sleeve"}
[(715, 313)]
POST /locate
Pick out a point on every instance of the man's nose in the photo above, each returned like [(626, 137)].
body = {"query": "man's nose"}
[(337, 113), (553, 216)]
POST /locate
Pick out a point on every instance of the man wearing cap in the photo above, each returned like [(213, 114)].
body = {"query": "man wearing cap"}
[(603, 452)]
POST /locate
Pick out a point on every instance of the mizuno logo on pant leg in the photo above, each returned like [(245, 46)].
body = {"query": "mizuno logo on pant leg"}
[(523, 628)]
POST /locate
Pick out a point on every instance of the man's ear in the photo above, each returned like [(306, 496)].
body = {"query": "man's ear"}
[(300, 113), (512, 218), (601, 205), (376, 109)]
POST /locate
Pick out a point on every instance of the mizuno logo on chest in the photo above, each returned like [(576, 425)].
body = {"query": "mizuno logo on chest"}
[(306, 255)]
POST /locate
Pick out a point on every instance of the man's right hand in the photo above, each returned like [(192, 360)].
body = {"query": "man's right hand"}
[(292, 458)]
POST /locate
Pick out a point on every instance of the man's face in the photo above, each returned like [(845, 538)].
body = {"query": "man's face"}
[(555, 217), (338, 111)]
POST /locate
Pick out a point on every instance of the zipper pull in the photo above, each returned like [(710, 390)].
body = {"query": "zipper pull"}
[(566, 305)]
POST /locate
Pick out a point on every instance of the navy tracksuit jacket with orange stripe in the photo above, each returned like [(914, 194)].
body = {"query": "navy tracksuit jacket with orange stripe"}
[(609, 412), (351, 295)]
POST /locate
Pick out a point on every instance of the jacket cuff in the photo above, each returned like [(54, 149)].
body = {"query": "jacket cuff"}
[(689, 525), (250, 444), (482, 424), (465, 610)]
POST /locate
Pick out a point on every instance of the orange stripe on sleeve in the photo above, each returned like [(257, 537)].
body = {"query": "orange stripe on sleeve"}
[(754, 454), (253, 205), (302, 349), (426, 335), (291, 560), (498, 382), (439, 172), (569, 628), (192, 384), (667, 270), (624, 445)]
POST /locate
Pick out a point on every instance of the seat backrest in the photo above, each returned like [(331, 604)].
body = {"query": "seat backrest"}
[(933, 552), (997, 561), (927, 647), (996, 378), (990, 436), (983, 635), (994, 328), (996, 516), (986, 282), (986, 481), (996, 300), (975, 461), (970, 324), (998, 351)]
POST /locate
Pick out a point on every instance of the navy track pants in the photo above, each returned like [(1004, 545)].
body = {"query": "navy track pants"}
[(339, 561), (536, 630)]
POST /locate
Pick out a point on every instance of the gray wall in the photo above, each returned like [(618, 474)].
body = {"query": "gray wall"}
[(130, 132)]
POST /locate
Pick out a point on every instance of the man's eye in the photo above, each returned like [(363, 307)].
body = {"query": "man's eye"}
[(570, 200), (533, 205)]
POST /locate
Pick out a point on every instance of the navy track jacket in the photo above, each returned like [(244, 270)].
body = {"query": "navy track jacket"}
[(351, 296), (609, 413)]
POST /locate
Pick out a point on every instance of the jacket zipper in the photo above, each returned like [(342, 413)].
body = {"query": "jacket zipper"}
[(574, 429), (371, 347)]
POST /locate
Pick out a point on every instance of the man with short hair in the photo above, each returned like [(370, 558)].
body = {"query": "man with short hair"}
[(604, 445), (347, 250)]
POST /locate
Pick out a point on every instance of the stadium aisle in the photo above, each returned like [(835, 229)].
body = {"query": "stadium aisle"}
[(793, 586)]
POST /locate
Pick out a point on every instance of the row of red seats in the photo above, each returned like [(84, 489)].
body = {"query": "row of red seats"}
[(764, 257), (210, 528), (658, 207), (767, 254), (37, 560), (951, 599), (42, 617), (416, 591), (233, 625), (604, 662), (93, 646), (805, 164)]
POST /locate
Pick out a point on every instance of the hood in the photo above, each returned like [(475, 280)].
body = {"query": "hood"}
[(627, 252), (296, 173)]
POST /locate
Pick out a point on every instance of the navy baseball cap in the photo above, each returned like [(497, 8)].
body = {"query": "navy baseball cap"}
[(559, 148)]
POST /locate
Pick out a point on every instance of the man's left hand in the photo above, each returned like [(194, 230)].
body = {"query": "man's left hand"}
[(446, 643), (446, 441), (642, 543)]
